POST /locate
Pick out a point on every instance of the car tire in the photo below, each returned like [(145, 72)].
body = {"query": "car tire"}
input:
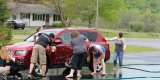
[(14, 71), (99, 66), (37, 72), (22, 28)]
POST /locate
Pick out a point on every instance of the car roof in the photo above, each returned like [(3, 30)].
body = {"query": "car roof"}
[(62, 29)]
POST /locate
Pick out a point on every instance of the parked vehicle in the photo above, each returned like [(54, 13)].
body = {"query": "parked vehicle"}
[(17, 24), (21, 51)]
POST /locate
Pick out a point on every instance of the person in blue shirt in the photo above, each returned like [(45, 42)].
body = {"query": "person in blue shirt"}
[(98, 52)]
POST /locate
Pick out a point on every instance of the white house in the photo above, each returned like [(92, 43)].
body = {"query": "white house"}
[(33, 14)]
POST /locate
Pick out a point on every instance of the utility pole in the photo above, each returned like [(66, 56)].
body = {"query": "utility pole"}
[(97, 18)]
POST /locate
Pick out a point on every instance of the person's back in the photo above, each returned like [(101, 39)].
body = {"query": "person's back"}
[(79, 45), (43, 40), (2, 62)]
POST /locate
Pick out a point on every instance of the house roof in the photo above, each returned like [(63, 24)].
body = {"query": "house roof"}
[(31, 8)]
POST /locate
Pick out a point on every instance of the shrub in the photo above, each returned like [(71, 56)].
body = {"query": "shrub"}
[(57, 24), (5, 35), (136, 26)]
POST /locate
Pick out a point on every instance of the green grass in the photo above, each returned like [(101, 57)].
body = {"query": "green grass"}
[(134, 49), (15, 41), (21, 32), (112, 33), (32, 27)]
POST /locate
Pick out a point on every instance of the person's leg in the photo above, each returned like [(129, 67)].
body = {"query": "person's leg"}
[(95, 60), (75, 60), (34, 58), (115, 60), (120, 60), (42, 59), (103, 66), (7, 68), (3, 70), (80, 64)]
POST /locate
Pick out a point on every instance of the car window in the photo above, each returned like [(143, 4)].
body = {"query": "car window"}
[(31, 38), (85, 34), (92, 36), (66, 38), (18, 21)]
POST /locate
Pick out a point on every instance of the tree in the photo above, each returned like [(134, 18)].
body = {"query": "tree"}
[(4, 12), (5, 31), (109, 10), (67, 9)]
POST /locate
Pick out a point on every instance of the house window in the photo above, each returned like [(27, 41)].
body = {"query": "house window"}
[(14, 17), (56, 17), (25, 15), (38, 17)]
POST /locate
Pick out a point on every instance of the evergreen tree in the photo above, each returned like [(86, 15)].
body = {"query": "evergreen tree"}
[(4, 12)]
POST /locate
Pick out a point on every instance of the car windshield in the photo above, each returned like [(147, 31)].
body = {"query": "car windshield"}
[(18, 21), (31, 38)]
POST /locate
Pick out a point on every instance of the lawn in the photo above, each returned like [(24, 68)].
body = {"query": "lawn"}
[(21, 32), (112, 33), (16, 40), (135, 49)]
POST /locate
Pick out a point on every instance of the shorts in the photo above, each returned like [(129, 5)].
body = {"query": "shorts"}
[(2, 70), (104, 51), (39, 52)]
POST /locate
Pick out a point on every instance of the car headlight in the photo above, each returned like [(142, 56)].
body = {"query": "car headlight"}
[(21, 52)]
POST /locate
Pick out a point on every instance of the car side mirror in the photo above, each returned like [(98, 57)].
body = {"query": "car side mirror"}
[(58, 41)]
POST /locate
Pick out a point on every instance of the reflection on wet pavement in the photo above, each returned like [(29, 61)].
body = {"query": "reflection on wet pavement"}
[(130, 72)]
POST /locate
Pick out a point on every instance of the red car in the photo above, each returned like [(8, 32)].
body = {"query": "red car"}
[(21, 51)]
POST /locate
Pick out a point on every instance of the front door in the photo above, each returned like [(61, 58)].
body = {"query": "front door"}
[(47, 19)]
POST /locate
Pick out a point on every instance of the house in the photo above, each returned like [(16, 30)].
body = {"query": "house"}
[(34, 14)]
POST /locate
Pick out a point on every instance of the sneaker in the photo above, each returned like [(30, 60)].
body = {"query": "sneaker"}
[(45, 78), (29, 76), (4, 77)]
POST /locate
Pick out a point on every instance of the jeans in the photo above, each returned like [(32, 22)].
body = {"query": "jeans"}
[(78, 60), (120, 56)]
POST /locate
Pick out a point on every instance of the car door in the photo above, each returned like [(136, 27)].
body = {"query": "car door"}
[(64, 52)]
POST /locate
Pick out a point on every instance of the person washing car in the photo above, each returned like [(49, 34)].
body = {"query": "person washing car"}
[(120, 46), (4, 62), (39, 50), (98, 52), (78, 46)]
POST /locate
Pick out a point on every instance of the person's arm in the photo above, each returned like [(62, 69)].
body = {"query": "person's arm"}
[(35, 35), (88, 55), (101, 52), (112, 39), (86, 40), (124, 44)]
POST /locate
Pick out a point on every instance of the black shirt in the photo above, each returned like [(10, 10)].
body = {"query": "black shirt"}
[(44, 40), (2, 62)]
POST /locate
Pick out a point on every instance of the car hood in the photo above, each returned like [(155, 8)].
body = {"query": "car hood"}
[(20, 46)]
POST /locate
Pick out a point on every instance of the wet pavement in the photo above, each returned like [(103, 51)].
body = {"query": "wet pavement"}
[(130, 72), (136, 66)]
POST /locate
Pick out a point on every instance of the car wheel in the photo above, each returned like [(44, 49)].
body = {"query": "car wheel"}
[(14, 71), (99, 66), (22, 28), (37, 72), (11, 76)]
